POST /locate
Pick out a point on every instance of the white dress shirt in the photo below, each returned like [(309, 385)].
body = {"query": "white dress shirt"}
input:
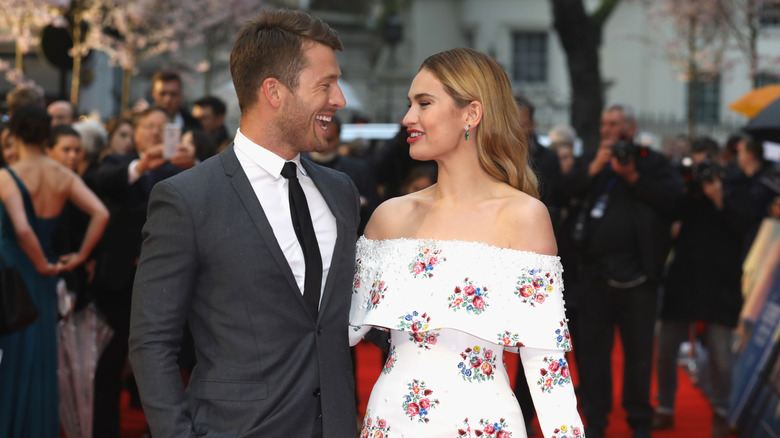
[(264, 170)]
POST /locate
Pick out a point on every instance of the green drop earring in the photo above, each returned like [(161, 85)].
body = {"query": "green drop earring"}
[(467, 131)]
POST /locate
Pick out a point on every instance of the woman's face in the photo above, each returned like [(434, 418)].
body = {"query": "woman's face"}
[(435, 125), (67, 151), (7, 143), (122, 139)]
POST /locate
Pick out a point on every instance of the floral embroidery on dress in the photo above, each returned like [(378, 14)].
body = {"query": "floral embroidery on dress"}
[(358, 271), (374, 428), (567, 432), (557, 373), (417, 403), (417, 325), (473, 299), (478, 364), (533, 287), (563, 338), (508, 339), (496, 429), (424, 262), (377, 293), (391, 357)]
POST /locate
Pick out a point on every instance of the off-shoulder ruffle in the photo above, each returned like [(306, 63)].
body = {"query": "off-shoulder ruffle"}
[(504, 296)]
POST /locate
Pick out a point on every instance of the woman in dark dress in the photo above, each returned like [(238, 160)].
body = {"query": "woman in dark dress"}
[(33, 192)]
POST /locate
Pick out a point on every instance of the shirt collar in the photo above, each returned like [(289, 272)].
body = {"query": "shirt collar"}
[(262, 157)]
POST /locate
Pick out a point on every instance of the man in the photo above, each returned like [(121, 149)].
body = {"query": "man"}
[(267, 303), (167, 94), (210, 111), (627, 194), (124, 183), (358, 171), (702, 284), (61, 112)]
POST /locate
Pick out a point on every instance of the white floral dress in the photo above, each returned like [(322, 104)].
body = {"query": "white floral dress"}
[(453, 308)]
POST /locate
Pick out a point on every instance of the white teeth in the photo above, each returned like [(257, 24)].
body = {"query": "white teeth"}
[(324, 118), (415, 134)]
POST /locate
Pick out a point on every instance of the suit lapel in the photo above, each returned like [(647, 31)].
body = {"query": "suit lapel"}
[(325, 186), (246, 194)]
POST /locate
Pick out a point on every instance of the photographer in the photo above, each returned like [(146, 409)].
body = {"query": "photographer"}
[(703, 282), (626, 194)]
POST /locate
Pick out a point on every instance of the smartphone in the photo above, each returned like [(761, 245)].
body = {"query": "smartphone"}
[(171, 139)]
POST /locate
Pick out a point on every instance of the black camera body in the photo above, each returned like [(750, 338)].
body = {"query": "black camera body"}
[(623, 151), (703, 171)]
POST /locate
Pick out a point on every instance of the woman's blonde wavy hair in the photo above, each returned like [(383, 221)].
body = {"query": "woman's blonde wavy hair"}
[(469, 75)]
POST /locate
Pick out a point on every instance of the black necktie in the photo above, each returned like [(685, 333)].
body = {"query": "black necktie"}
[(304, 230)]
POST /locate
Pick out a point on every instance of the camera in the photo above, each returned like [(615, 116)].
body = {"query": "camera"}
[(623, 151), (703, 171)]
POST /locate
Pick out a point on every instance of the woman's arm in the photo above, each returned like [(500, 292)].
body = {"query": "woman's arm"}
[(83, 198), (25, 235)]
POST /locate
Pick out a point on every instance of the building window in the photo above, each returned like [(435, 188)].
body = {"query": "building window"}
[(763, 79), (769, 14), (529, 57), (707, 103)]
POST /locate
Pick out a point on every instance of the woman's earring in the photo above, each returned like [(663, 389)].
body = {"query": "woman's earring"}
[(467, 131)]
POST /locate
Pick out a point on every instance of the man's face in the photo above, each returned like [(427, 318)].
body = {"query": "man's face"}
[(306, 111), (614, 127), (61, 113), (167, 95), (527, 122), (149, 131), (209, 121)]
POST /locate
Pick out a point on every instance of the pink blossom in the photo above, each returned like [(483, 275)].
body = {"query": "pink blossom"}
[(502, 434), (413, 409), (489, 429), (565, 373), (539, 298), (487, 369), (469, 290), (553, 366), (381, 423), (432, 338), (418, 267), (488, 354), (479, 302), (425, 403)]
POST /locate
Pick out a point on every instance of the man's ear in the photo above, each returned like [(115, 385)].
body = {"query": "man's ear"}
[(274, 92)]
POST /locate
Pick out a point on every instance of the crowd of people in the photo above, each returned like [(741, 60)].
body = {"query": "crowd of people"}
[(190, 254)]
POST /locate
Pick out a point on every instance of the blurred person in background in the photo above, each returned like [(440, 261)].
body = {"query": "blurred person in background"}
[(9, 153), (62, 113), (626, 195), (702, 283), (124, 182), (33, 192), (358, 171), (562, 138), (210, 112), (120, 135), (168, 94), (64, 146)]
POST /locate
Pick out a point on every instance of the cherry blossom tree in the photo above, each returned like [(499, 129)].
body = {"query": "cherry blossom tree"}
[(697, 38), (21, 22), (743, 18)]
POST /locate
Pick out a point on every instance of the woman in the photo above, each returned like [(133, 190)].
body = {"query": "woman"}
[(464, 269), (64, 146), (33, 192), (10, 154), (120, 135)]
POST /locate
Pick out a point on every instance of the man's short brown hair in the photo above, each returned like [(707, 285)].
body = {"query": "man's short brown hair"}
[(271, 46)]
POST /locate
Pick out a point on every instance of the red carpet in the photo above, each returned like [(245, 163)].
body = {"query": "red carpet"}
[(692, 417)]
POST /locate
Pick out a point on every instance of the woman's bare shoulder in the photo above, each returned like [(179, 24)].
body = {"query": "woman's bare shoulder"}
[(391, 218), (526, 222)]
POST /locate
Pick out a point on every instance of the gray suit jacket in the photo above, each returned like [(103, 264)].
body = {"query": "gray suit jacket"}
[(265, 367)]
